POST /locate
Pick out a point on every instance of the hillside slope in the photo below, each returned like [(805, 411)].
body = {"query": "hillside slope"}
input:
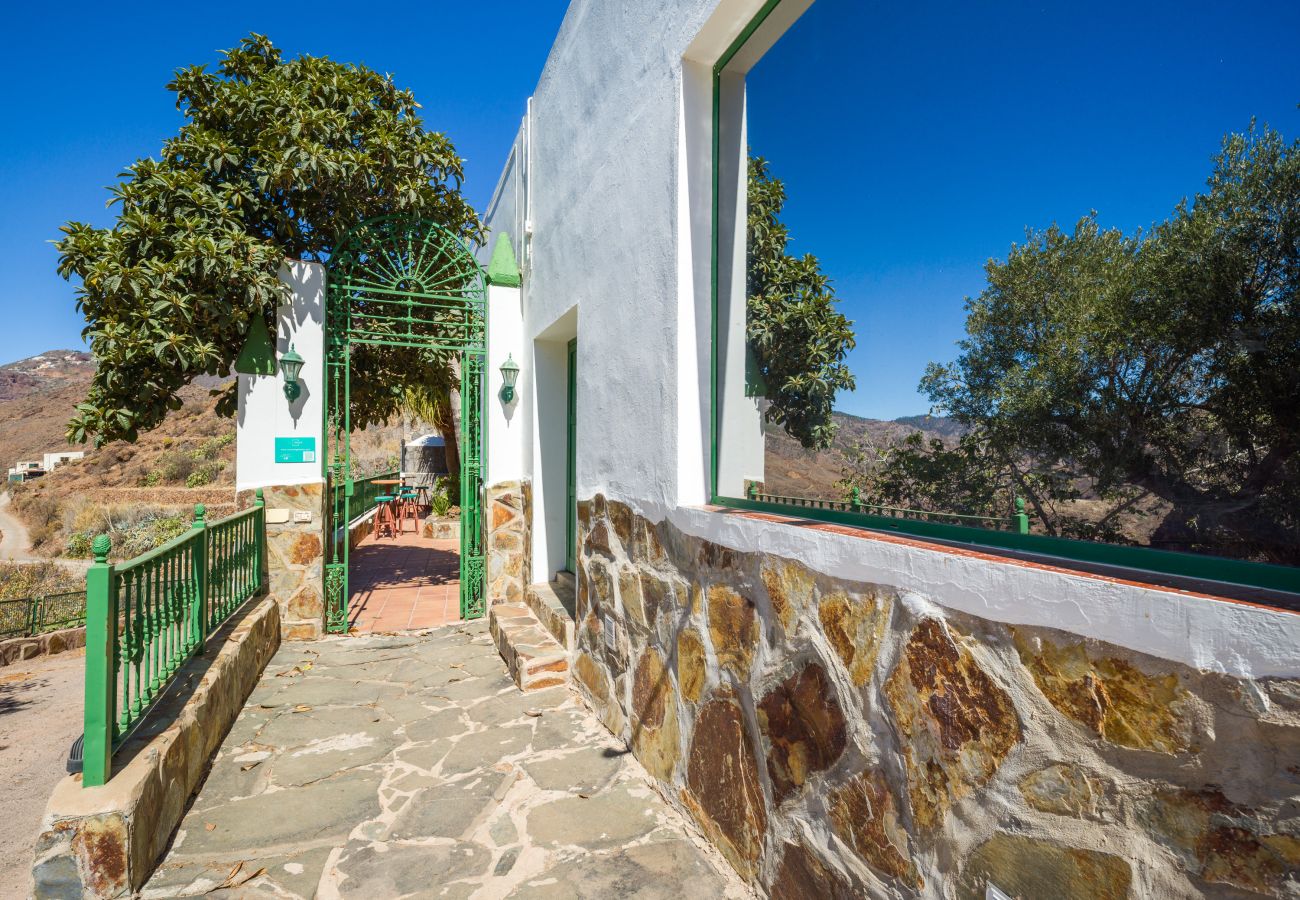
[(793, 471)]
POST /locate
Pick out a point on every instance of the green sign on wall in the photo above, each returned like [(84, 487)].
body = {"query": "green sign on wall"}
[(295, 449)]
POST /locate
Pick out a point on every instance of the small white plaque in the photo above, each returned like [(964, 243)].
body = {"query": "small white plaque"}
[(276, 515), (302, 515)]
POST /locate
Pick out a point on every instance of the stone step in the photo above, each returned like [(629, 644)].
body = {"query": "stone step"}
[(551, 603), (566, 579), (535, 659)]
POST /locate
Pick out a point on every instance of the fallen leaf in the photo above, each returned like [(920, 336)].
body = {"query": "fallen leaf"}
[(209, 826), (237, 878), (534, 713), (585, 796), (252, 765), (302, 707)]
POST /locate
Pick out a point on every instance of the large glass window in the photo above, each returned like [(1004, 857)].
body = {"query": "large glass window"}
[(1019, 268)]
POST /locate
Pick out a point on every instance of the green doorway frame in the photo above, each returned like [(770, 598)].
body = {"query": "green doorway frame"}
[(571, 463), (405, 286)]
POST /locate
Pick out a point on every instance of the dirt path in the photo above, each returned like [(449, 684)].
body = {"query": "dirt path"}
[(40, 717), (14, 543)]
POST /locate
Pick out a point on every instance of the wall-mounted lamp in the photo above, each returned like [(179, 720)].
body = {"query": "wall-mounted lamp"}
[(509, 372), (291, 363)]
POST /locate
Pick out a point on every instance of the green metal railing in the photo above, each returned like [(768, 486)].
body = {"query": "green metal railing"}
[(364, 492), (1018, 523), (146, 617), (1069, 551), (36, 615)]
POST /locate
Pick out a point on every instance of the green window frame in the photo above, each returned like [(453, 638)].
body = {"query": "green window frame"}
[(1139, 563)]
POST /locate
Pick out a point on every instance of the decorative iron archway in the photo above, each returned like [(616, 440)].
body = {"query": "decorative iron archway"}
[(402, 283)]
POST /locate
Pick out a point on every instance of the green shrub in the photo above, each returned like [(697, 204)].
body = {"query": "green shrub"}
[(79, 544), (174, 467), (19, 580), (204, 474), (439, 498)]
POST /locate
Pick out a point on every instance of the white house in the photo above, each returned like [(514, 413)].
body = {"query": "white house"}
[(845, 712)]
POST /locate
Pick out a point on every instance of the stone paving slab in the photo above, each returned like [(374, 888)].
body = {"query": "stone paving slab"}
[(410, 766)]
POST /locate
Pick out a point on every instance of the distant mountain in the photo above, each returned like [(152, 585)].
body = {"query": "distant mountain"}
[(48, 371), (793, 471)]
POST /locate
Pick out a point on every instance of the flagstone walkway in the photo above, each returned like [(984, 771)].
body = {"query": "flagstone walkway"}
[(409, 766)]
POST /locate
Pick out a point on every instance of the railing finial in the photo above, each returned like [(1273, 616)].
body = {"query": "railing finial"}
[(100, 547), (200, 513)]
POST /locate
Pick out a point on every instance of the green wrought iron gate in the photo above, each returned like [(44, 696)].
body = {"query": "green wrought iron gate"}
[(402, 292)]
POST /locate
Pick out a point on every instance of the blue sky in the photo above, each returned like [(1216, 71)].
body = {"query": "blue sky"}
[(918, 140), (84, 95)]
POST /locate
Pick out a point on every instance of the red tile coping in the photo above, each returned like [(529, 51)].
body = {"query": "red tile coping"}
[(867, 534)]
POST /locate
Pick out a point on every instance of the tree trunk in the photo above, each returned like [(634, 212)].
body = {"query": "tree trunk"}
[(447, 428)]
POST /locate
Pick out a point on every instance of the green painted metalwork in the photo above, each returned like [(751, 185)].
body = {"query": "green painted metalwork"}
[(571, 464), (401, 282), (28, 616), (503, 270), (258, 354), (472, 594), (146, 617), (1137, 559), (1018, 523)]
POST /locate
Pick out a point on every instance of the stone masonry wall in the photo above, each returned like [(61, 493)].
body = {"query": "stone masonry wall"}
[(839, 739), (508, 509), (295, 560)]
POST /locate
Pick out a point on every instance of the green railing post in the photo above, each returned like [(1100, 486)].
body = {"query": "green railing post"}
[(199, 576), (101, 678), (752, 490), (855, 499), (259, 563), (1022, 518)]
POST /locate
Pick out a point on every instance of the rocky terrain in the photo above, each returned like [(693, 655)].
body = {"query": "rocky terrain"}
[(793, 471)]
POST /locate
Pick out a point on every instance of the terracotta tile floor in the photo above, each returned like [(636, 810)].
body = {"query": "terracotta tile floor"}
[(404, 583)]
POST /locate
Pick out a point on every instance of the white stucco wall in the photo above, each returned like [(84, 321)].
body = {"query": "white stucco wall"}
[(264, 412), (617, 147)]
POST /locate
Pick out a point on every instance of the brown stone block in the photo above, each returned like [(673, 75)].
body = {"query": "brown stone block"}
[(790, 588), (691, 664), (1110, 696), (804, 728), (1224, 842), (802, 876), (1028, 867), (855, 626), (598, 540), (621, 517), (955, 723), (865, 816), (724, 790), (302, 631), (654, 717), (1062, 790), (629, 591), (306, 548), (103, 851), (501, 516), (733, 627), (306, 604)]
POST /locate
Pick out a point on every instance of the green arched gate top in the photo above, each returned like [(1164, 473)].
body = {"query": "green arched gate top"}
[(398, 291)]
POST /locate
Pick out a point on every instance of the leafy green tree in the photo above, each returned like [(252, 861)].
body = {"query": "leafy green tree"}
[(798, 337), (1166, 362), (276, 158)]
